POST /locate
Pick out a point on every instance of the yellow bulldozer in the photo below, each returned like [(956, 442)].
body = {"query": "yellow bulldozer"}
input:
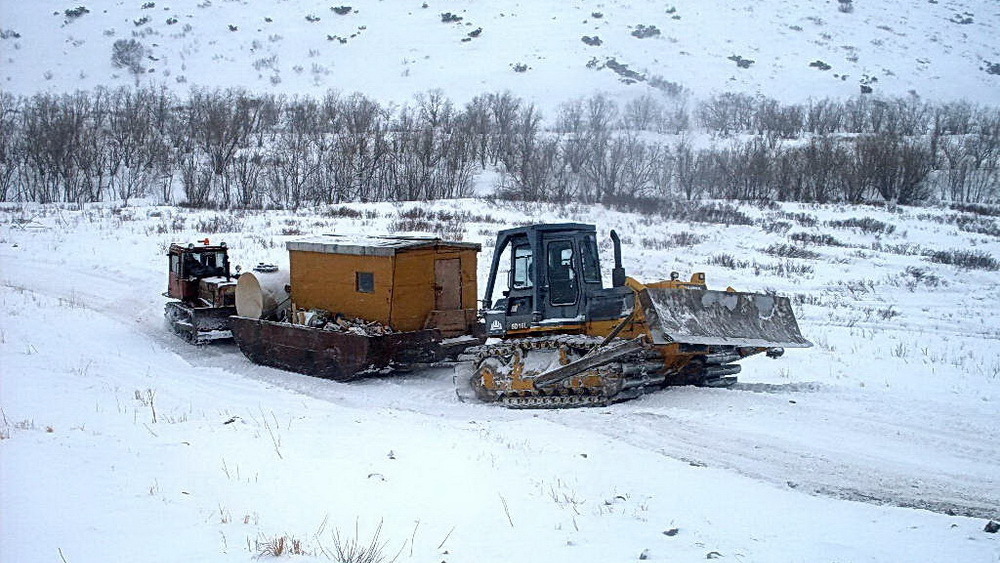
[(564, 340)]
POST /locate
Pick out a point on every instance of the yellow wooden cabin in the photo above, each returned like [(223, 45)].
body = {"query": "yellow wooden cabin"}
[(407, 283)]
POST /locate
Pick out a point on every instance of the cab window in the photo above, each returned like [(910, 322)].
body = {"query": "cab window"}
[(591, 263), (521, 271)]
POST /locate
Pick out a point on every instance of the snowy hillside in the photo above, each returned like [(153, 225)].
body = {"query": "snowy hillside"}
[(389, 50), (120, 442)]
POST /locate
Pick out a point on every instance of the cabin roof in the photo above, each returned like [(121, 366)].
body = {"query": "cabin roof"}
[(359, 245)]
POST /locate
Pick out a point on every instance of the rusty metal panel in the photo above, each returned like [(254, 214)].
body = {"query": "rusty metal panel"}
[(331, 355)]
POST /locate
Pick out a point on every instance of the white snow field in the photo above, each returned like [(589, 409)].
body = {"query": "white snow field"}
[(790, 50), (120, 442)]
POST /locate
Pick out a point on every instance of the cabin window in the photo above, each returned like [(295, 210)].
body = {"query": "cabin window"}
[(365, 282), (562, 279), (591, 264), (521, 273)]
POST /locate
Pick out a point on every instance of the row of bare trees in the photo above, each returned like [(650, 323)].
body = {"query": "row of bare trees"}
[(230, 148), (233, 148), (902, 152)]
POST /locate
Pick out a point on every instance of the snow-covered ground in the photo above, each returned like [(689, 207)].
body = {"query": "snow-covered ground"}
[(120, 442), (390, 50)]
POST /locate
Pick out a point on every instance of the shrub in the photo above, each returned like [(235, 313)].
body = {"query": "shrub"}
[(341, 10), (803, 219), (914, 277), (343, 212), (740, 61), (845, 6), (865, 225), (449, 17), (128, 54), (643, 31), (715, 213), (785, 269), (821, 240), (673, 241), (74, 13), (628, 75), (791, 251), (347, 549), (279, 546), (970, 260), (898, 249), (728, 261), (977, 208), (772, 227), (219, 223)]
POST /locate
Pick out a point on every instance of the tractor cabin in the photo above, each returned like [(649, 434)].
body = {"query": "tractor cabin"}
[(407, 283)]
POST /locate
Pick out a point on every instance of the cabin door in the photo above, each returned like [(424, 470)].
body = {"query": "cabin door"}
[(448, 284)]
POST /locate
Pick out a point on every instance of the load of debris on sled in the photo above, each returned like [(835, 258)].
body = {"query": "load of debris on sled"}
[(336, 322)]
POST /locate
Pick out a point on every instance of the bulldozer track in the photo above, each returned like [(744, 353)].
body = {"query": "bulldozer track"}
[(617, 382)]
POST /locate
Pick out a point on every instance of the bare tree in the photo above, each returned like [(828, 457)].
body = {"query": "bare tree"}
[(644, 113), (689, 169), (823, 158), (222, 122), (435, 108), (897, 168), (824, 117), (504, 108), (727, 113), (11, 155), (972, 169)]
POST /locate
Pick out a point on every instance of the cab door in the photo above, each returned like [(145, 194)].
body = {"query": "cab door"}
[(562, 300)]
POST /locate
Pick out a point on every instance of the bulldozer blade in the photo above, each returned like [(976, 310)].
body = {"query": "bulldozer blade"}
[(720, 318)]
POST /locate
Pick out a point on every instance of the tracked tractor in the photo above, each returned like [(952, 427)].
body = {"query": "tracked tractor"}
[(203, 289), (565, 340)]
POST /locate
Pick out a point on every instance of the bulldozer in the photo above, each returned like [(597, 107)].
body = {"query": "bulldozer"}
[(559, 338), (203, 292)]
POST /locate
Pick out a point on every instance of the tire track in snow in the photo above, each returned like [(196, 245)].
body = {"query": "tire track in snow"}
[(843, 444)]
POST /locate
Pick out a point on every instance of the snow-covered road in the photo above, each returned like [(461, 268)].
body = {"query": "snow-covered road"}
[(788, 435)]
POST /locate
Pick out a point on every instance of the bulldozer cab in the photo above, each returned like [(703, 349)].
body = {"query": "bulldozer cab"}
[(550, 272), (190, 264)]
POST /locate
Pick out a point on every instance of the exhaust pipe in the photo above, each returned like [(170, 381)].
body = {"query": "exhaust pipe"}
[(618, 273)]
